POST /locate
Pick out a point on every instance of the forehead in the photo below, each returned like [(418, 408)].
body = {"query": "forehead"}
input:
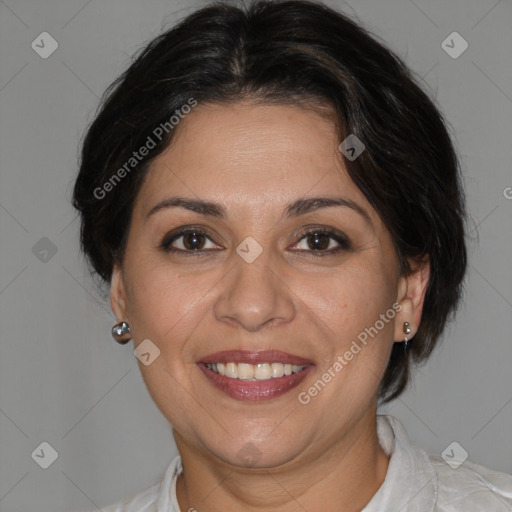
[(250, 155)]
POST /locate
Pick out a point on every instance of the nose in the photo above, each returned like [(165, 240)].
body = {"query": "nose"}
[(254, 295)]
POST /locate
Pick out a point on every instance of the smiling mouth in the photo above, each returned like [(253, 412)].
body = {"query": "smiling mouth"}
[(255, 376)]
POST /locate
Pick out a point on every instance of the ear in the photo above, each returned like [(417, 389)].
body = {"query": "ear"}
[(118, 294), (411, 296)]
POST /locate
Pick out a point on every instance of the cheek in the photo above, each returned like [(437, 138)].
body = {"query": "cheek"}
[(162, 302), (351, 300), (167, 308), (354, 308)]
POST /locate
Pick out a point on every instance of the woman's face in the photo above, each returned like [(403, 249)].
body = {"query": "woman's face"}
[(260, 277)]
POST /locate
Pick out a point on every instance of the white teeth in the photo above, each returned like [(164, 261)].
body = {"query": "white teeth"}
[(231, 370), (260, 371), (277, 369), (245, 371)]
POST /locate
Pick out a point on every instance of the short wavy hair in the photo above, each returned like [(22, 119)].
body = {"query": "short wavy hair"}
[(300, 53)]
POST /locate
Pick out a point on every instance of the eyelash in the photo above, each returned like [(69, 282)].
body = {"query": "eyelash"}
[(331, 233)]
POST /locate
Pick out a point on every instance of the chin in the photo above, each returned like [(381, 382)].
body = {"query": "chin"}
[(251, 453)]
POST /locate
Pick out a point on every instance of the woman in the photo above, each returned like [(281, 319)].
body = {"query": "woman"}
[(277, 207)]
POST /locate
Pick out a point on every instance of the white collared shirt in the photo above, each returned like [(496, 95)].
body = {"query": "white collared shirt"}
[(415, 482)]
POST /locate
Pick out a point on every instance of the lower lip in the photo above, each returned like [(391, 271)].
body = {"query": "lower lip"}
[(255, 390)]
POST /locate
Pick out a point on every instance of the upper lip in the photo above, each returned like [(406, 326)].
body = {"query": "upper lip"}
[(254, 357)]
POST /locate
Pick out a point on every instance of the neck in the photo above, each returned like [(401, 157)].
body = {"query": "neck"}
[(342, 477)]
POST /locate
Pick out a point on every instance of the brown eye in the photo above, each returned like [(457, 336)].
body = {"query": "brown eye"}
[(318, 241), (187, 241), (193, 241), (323, 242)]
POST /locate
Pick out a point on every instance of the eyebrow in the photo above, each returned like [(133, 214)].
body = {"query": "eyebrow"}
[(299, 207)]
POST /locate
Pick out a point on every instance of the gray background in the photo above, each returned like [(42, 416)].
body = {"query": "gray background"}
[(64, 380)]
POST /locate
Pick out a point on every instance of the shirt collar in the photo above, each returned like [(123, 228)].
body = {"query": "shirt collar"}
[(411, 481)]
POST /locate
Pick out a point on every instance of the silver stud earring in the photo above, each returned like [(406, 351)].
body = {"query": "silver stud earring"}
[(121, 333), (407, 330)]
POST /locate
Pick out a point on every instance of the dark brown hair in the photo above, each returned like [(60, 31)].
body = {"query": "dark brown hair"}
[(303, 53)]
